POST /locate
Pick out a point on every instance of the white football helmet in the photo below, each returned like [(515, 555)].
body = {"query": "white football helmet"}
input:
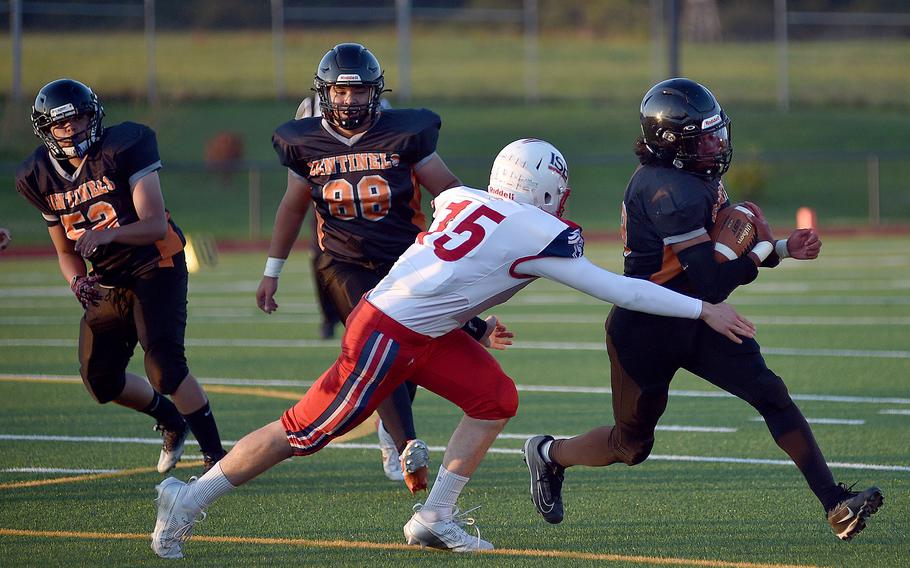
[(531, 171)]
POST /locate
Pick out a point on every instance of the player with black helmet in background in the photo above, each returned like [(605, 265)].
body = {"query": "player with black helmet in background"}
[(362, 167), (668, 209), (99, 193)]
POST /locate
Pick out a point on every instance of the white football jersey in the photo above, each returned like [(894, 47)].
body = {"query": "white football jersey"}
[(468, 260)]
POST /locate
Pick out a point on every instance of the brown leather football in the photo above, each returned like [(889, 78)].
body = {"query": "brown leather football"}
[(733, 233)]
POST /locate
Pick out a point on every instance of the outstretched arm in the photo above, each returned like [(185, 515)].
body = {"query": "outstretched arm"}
[(636, 294)]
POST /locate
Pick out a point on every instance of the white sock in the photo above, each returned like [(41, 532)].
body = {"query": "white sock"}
[(441, 500), (545, 451), (209, 487)]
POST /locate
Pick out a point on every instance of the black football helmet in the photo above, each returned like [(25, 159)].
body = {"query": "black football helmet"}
[(682, 124), (349, 64), (62, 99)]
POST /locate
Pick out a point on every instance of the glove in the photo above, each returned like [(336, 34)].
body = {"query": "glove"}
[(84, 289)]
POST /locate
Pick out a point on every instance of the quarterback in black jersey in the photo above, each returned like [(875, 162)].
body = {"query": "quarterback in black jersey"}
[(99, 193), (668, 210), (361, 167)]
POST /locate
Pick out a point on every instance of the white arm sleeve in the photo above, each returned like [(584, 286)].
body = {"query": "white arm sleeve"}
[(631, 293)]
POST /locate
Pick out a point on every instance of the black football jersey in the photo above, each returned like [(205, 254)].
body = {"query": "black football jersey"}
[(97, 196), (364, 188), (663, 206)]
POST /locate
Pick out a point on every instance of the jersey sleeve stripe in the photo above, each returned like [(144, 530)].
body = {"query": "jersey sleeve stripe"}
[(154, 167), (685, 236), (513, 272)]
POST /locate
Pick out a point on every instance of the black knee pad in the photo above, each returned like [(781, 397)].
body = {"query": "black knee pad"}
[(166, 368), (103, 386), (769, 394)]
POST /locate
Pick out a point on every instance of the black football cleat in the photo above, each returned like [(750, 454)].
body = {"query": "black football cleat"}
[(848, 517), (209, 461), (546, 480)]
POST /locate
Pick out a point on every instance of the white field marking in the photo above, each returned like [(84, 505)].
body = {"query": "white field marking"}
[(829, 285), (664, 457), (308, 306), (55, 470), (362, 446), (534, 345), (840, 421), (194, 317), (249, 316), (900, 411), (523, 388)]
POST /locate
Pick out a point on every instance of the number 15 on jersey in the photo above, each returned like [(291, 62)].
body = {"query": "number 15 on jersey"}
[(467, 230)]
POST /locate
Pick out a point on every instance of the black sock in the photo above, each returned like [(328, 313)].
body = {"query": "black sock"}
[(792, 433), (164, 411), (202, 424)]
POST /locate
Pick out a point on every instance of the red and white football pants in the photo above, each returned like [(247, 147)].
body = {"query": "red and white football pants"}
[(377, 355)]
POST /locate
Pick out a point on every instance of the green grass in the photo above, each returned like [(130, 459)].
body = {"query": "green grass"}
[(854, 298)]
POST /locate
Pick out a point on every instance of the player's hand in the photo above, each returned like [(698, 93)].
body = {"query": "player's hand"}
[(5, 238), (497, 335), (90, 240), (804, 244), (265, 294), (83, 288), (762, 228), (724, 320)]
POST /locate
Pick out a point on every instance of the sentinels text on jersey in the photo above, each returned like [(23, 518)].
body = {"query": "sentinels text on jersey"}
[(97, 196), (366, 194)]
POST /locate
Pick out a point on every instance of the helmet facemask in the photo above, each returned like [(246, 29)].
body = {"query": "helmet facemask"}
[(707, 153), (349, 116)]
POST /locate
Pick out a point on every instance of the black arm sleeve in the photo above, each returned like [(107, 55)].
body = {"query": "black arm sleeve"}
[(714, 281), (475, 327), (772, 261)]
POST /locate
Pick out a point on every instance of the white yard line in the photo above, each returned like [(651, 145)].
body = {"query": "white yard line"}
[(838, 421), (535, 345), (247, 316), (525, 388), (55, 470), (899, 411), (360, 446)]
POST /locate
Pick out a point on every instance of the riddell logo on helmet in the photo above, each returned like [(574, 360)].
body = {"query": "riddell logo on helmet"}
[(348, 78), (501, 193), (63, 111), (709, 122)]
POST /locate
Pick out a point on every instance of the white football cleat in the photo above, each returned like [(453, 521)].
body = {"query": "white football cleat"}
[(175, 519), (390, 460), (172, 444), (445, 534)]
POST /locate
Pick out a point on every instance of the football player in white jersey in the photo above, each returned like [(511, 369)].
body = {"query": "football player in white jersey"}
[(481, 249)]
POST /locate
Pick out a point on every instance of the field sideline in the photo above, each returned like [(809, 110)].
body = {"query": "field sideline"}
[(77, 480)]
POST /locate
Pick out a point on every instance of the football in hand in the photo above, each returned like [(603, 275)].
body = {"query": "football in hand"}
[(733, 233)]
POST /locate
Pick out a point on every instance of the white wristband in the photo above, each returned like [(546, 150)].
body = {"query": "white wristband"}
[(780, 247), (273, 266), (762, 250)]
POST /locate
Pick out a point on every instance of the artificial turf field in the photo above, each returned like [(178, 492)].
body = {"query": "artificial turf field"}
[(77, 479)]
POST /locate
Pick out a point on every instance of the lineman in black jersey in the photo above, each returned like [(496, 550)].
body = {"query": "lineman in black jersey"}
[(668, 209), (362, 168), (99, 192)]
